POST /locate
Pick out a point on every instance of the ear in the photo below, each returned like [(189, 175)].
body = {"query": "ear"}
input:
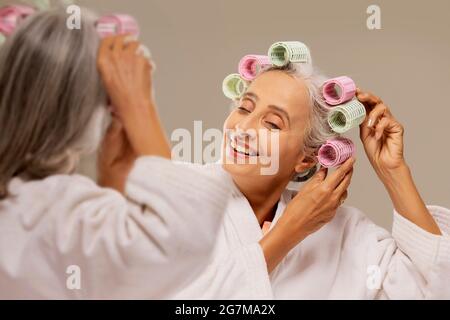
[(305, 163)]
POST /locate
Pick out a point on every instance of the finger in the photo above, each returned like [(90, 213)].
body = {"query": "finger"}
[(345, 195), (119, 43), (381, 110), (319, 177), (103, 52), (106, 45), (371, 120), (370, 102), (388, 125), (130, 37), (341, 190), (132, 47), (367, 98), (334, 179), (316, 179), (381, 126)]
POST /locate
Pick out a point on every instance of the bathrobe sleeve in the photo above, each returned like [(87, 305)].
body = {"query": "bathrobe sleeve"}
[(410, 263), (148, 246)]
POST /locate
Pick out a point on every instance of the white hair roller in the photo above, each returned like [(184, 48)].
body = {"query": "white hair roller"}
[(347, 116), (234, 86), (285, 52)]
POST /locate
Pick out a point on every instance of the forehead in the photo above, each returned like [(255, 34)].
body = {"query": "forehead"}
[(283, 90)]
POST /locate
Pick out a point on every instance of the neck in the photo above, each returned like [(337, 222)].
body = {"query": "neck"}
[(263, 196)]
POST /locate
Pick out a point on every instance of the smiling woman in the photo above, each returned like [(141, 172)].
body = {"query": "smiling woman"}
[(276, 243)]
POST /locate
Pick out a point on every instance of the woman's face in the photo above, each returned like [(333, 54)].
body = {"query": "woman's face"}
[(268, 125)]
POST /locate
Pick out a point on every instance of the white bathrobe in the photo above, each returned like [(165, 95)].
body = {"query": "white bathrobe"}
[(349, 258), (62, 229)]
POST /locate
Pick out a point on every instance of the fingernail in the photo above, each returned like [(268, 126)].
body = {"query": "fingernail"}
[(369, 124), (131, 38)]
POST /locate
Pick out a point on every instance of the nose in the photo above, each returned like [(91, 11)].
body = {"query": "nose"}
[(245, 133), (247, 125)]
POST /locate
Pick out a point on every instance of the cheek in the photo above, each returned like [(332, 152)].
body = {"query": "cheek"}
[(290, 151), (228, 126), (280, 144)]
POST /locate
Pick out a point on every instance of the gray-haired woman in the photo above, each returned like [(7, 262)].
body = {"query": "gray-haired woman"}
[(276, 243), (137, 236)]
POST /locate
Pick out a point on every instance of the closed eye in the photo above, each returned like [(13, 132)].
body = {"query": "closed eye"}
[(242, 109), (273, 125)]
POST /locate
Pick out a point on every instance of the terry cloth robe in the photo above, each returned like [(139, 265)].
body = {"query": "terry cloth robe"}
[(64, 237), (349, 258)]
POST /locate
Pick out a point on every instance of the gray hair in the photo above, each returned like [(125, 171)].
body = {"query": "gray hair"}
[(52, 101)]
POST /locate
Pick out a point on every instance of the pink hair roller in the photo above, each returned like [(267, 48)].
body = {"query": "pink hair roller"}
[(11, 16), (117, 24), (339, 90), (251, 65), (335, 152)]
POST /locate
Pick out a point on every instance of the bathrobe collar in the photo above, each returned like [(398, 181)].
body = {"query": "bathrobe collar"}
[(244, 219)]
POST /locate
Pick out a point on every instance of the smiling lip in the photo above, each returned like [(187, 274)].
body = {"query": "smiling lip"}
[(243, 151)]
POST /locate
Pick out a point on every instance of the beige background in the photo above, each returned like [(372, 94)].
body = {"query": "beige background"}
[(196, 43)]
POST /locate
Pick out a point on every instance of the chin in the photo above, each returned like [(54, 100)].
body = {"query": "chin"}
[(242, 170), (240, 165)]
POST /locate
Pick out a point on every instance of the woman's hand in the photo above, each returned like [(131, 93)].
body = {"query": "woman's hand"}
[(381, 135), (313, 207), (116, 158), (127, 79)]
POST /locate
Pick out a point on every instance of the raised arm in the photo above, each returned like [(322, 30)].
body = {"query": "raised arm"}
[(136, 129), (382, 137)]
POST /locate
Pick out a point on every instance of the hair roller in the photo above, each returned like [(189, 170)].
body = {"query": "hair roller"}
[(251, 65), (347, 116), (117, 24), (11, 16), (335, 152), (339, 90), (234, 86), (282, 53)]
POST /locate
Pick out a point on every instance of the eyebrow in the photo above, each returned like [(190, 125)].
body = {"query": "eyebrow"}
[(251, 95)]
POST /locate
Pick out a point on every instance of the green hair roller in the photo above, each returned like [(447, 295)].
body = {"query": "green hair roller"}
[(346, 116), (234, 86), (282, 53)]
